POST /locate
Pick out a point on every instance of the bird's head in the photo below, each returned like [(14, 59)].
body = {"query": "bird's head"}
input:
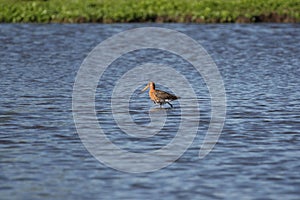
[(150, 84)]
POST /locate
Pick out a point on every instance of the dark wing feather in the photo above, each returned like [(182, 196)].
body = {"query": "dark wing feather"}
[(165, 96)]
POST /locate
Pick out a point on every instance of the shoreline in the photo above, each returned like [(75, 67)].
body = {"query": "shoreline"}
[(143, 11)]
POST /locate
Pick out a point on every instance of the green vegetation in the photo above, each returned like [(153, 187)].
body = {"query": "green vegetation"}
[(110, 11)]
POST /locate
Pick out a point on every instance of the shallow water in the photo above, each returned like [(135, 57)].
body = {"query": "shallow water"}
[(256, 157)]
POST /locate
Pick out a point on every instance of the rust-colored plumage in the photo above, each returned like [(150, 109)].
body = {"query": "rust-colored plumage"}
[(158, 96)]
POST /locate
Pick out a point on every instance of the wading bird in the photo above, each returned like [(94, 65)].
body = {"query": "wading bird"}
[(158, 96)]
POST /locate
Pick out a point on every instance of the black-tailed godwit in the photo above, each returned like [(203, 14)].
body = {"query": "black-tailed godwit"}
[(158, 96)]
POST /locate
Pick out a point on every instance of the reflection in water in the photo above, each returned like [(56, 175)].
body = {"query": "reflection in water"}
[(160, 109)]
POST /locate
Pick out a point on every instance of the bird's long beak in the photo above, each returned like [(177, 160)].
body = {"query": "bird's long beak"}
[(147, 86)]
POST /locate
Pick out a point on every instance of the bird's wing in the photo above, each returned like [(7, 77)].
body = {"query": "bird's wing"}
[(163, 96)]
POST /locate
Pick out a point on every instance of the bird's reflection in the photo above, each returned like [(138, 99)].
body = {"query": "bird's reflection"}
[(156, 109)]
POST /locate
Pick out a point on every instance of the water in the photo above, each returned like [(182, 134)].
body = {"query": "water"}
[(256, 157)]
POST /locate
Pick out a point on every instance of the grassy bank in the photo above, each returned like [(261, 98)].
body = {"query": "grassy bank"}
[(110, 11)]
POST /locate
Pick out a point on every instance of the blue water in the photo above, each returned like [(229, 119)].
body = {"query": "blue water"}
[(257, 155)]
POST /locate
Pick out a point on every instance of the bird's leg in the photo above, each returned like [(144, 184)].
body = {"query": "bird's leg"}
[(170, 104)]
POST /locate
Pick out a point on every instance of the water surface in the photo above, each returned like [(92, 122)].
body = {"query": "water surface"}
[(256, 157)]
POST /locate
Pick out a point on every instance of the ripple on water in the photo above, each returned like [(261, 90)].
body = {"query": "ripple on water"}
[(257, 155)]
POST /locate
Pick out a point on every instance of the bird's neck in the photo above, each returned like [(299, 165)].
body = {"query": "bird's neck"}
[(151, 89)]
